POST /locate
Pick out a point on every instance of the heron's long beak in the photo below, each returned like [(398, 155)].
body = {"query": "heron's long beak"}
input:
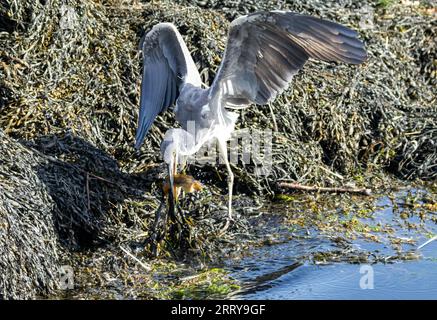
[(172, 196)]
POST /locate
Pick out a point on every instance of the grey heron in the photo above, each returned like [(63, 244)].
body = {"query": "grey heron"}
[(264, 51)]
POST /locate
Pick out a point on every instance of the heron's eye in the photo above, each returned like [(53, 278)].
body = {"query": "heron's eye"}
[(205, 114)]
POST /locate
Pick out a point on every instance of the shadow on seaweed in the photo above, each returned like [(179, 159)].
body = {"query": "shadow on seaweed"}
[(89, 190), (90, 193)]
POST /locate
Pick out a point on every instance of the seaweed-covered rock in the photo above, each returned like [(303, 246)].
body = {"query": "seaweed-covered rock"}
[(69, 92), (74, 66), (29, 250)]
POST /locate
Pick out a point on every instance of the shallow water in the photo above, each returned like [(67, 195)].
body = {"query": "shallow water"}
[(305, 263), (283, 271)]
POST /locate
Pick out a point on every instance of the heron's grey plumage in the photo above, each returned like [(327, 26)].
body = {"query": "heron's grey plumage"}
[(266, 49), (263, 53), (167, 67)]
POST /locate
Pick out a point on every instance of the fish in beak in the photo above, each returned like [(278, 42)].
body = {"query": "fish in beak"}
[(181, 182), (171, 168)]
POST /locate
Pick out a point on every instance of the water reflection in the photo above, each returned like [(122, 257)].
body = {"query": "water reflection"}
[(286, 271)]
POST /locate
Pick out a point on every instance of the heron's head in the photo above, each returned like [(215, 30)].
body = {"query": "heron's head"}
[(168, 151), (170, 147), (175, 148)]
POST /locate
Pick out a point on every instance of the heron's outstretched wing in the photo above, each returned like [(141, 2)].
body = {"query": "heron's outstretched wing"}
[(167, 67), (266, 49)]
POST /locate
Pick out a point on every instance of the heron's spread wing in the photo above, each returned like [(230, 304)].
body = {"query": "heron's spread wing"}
[(167, 67), (266, 49)]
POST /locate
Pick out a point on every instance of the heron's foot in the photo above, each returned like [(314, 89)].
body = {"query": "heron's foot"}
[(225, 227), (229, 221)]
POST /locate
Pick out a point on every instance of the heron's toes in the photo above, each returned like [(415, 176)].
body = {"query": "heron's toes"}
[(225, 228)]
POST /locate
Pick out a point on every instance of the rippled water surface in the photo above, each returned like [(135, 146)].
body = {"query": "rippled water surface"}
[(283, 271)]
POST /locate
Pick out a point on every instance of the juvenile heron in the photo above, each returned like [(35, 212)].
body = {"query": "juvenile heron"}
[(264, 51)]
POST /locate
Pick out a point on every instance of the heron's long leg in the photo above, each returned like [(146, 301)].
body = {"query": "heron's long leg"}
[(224, 153)]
